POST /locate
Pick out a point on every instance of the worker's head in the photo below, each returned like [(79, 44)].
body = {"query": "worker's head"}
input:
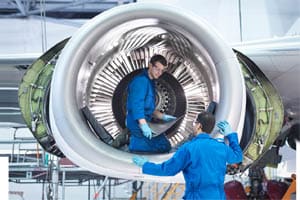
[(157, 66), (204, 122)]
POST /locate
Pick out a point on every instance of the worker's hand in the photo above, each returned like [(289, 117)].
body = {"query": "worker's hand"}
[(168, 118), (139, 160), (225, 128), (147, 132)]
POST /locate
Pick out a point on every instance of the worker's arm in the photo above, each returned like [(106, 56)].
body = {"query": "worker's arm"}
[(235, 153), (136, 98), (179, 161)]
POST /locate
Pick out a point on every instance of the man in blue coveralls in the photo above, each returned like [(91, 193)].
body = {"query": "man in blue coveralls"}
[(202, 160), (141, 109)]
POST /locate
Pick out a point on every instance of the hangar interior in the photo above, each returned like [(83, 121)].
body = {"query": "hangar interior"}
[(30, 28)]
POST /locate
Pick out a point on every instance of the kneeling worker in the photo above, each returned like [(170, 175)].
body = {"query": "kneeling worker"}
[(202, 160), (141, 109)]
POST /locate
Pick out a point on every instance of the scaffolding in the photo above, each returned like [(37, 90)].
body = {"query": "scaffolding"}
[(30, 164)]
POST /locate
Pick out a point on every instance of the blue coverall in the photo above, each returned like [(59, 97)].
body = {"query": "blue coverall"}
[(141, 105), (203, 163)]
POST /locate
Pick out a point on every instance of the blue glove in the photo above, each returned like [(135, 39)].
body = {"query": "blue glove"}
[(147, 132), (168, 118), (139, 161), (225, 128)]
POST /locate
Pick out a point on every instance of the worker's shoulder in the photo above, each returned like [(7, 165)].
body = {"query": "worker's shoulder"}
[(140, 78), (186, 145), (208, 140), (218, 142)]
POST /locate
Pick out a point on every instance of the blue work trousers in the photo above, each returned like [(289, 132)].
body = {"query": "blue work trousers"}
[(140, 143)]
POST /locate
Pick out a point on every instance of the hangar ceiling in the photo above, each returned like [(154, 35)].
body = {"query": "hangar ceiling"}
[(12, 68), (57, 8)]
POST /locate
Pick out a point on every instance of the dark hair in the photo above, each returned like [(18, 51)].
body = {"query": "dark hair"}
[(158, 58), (207, 120)]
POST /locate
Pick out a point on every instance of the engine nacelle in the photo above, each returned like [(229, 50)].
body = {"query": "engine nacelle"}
[(97, 63)]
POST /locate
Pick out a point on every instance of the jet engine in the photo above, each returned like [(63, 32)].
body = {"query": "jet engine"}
[(93, 68)]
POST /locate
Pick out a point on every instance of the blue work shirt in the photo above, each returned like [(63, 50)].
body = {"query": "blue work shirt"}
[(203, 163), (140, 101)]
